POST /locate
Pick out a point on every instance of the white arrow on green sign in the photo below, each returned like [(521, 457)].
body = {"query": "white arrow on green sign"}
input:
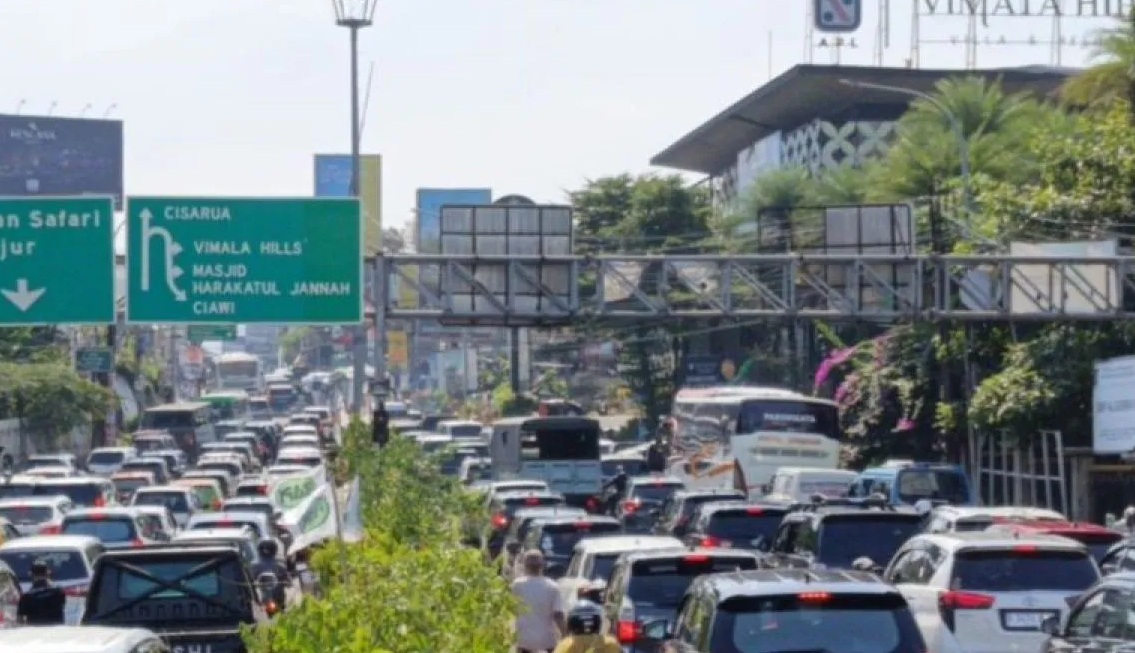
[(246, 260), (56, 261)]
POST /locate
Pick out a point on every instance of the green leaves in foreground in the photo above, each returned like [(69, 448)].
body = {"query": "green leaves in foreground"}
[(409, 586)]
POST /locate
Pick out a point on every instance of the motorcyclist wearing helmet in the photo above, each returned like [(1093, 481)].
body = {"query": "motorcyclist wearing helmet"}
[(267, 563), (584, 622), (615, 488)]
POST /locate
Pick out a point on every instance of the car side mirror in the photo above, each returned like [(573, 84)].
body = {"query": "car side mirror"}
[(1050, 625), (657, 630)]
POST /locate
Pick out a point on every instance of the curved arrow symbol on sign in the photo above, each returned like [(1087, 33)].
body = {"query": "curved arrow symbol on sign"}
[(23, 298)]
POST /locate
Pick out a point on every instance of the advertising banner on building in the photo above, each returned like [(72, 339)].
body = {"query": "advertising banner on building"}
[(333, 179), (45, 155)]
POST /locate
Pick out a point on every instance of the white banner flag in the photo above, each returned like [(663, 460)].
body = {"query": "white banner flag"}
[(318, 520)]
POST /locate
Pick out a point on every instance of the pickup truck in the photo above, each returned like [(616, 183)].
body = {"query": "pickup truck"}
[(194, 597)]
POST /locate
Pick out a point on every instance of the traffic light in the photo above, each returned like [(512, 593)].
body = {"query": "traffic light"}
[(380, 425)]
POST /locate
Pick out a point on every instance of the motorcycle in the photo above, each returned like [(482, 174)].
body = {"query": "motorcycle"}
[(271, 592)]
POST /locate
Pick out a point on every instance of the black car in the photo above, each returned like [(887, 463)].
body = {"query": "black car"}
[(678, 511), (194, 597), (556, 537), (788, 610), (736, 524), (522, 521), (503, 505), (643, 500), (837, 534), (649, 585)]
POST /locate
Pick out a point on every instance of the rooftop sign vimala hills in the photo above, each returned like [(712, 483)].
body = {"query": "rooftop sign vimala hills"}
[(244, 260), (56, 261), (986, 9)]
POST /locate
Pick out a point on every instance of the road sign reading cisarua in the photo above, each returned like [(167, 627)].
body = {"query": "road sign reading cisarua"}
[(56, 261), (244, 260)]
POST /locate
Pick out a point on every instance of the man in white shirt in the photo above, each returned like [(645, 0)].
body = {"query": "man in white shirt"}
[(541, 618)]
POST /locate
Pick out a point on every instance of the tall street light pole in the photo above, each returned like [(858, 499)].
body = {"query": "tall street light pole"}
[(355, 15), (955, 125)]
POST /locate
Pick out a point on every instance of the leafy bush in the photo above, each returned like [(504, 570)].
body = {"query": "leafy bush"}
[(408, 586)]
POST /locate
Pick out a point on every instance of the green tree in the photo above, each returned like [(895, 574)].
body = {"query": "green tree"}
[(31, 344), (50, 399), (1112, 78)]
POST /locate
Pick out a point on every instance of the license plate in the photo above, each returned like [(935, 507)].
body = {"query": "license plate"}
[(1024, 619)]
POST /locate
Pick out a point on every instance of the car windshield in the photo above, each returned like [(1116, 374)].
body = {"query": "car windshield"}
[(106, 530), (26, 515), (1023, 569), (560, 539), (64, 565), (845, 539), (821, 622), (742, 528), (663, 583), (947, 485), (80, 494), (655, 492), (106, 457), (175, 501)]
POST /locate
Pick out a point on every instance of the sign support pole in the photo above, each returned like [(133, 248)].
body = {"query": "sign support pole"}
[(360, 339), (381, 283)]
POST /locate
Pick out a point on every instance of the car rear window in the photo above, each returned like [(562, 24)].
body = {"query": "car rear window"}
[(175, 501), (1024, 569), (664, 582), (656, 491), (132, 586), (560, 539), (743, 528), (16, 490), (129, 485), (108, 530), (943, 484), (514, 504), (844, 539), (80, 494), (312, 461), (64, 565), (155, 468), (816, 621), (252, 490), (27, 515), (106, 457)]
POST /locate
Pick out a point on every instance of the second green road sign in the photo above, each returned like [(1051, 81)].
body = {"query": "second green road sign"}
[(215, 260), (56, 261)]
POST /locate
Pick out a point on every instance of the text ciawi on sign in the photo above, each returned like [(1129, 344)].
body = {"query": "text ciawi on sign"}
[(1113, 406), (56, 261), (244, 260)]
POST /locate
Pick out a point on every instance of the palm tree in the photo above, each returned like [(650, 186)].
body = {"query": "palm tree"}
[(1113, 78)]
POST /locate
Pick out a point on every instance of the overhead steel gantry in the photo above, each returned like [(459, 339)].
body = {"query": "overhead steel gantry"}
[(518, 290)]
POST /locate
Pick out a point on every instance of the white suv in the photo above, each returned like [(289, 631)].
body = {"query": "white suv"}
[(983, 592)]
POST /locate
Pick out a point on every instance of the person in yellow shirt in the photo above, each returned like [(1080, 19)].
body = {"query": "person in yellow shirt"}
[(583, 624)]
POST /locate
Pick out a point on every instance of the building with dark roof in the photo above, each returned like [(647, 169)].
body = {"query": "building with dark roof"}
[(807, 117)]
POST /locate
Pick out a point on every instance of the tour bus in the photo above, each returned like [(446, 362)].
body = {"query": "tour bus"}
[(239, 371), (738, 436), (190, 423), (562, 451), (229, 405)]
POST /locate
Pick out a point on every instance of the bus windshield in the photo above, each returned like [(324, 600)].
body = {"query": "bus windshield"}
[(788, 416)]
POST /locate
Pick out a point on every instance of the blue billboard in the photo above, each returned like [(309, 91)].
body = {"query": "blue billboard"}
[(45, 156), (332, 175), (430, 201)]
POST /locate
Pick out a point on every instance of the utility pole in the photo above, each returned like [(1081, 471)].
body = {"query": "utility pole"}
[(940, 367)]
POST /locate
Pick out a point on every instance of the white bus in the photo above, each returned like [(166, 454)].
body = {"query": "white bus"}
[(738, 436), (239, 371)]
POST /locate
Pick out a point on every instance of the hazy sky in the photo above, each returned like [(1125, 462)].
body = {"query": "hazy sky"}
[(232, 97)]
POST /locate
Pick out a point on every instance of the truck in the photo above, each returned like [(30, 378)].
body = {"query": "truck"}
[(561, 451)]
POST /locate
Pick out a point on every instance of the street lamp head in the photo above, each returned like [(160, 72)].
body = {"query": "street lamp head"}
[(354, 13)]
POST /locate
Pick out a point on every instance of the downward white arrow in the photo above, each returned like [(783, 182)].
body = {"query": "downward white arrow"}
[(22, 297)]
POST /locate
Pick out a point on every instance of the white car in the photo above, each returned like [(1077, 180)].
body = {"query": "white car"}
[(105, 461), (300, 429), (71, 559), (987, 592), (36, 515), (951, 519), (308, 457), (242, 537), (299, 440), (181, 501), (88, 639), (593, 560)]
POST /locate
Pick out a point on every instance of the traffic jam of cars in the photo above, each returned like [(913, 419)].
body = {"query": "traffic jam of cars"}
[(174, 539)]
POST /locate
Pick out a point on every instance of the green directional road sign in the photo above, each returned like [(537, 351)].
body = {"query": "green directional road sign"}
[(199, 333), (270, 261), (56, 261)]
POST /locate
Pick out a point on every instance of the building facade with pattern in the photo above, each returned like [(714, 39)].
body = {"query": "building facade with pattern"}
[(807, 118)]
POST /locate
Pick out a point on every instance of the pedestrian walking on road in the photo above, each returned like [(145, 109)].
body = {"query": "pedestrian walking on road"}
[(541, 619)]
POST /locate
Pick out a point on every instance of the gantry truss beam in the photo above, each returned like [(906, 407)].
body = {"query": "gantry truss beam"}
[(515, 290)]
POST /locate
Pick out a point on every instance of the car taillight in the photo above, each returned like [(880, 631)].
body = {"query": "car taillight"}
[(627, 632), (51, 529), (100, 502), (532, 501), (710, 541), (77, 591), (814, 597), (950, 602), (136, 543), (695, 558), (592, 504), (500, 521), (630, 506), (755, 511)]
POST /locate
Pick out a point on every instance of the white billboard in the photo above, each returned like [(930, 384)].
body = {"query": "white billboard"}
[(1113, 406)]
